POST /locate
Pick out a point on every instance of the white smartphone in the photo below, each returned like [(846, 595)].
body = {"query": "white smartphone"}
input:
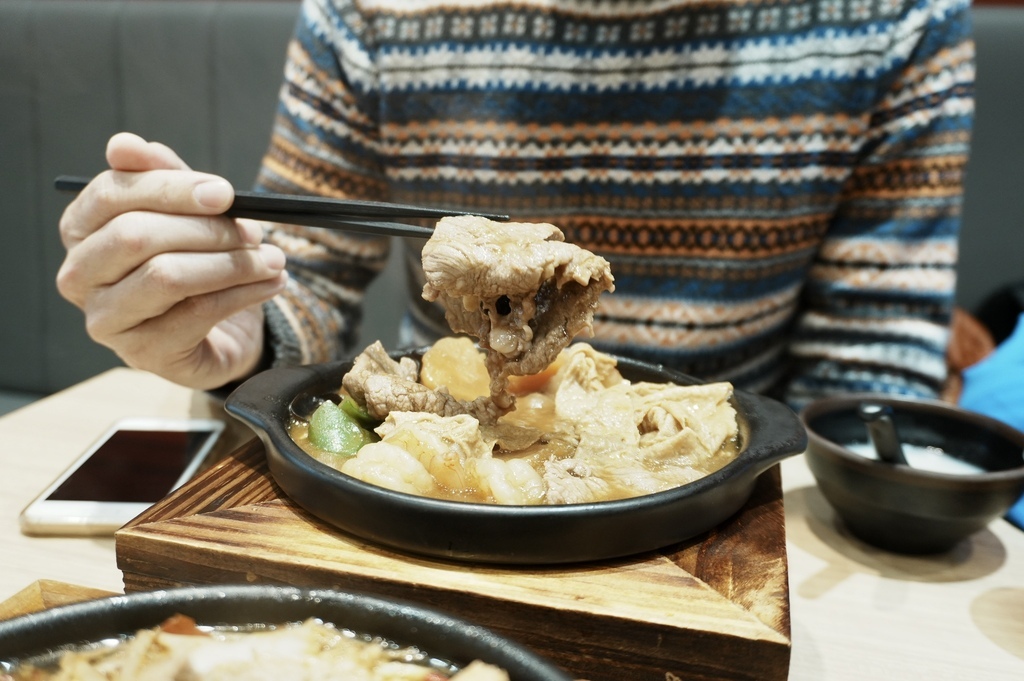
[(130, 467)]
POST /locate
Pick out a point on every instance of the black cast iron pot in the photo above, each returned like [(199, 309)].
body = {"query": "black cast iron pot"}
[(510, 534), (447, 638)]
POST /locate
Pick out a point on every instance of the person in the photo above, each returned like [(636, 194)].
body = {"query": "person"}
[(777, 186)]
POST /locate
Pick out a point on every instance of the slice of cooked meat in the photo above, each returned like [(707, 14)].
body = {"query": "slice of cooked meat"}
[(704, 409), (384, 394), (375, 361), (518, 287), (382, 385), (571, 481)]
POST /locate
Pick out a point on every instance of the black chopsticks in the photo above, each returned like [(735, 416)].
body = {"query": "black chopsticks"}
[(366, 217)]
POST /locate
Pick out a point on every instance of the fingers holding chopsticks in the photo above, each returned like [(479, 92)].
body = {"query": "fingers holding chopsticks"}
[(163, 277), (148, 204), (116, 193), (143, 176), (129, 152), (149, 176), (163, 257), (193, 318), (135, 240)]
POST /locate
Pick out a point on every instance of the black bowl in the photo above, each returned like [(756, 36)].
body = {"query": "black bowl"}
[(447, 638), (510, 534), (908, 510)]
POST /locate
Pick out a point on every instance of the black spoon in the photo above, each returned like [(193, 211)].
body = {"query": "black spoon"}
[(882, 431)]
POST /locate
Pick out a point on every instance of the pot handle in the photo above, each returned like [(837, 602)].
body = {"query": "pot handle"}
[(261, 403), (775, 431)]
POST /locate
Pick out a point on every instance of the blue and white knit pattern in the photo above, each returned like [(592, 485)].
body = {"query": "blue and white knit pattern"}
[(776, 184)]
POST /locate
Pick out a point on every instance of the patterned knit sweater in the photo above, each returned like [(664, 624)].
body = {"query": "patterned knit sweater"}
[(777, 183)]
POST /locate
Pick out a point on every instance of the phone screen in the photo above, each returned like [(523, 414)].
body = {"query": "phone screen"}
[(133, 466)]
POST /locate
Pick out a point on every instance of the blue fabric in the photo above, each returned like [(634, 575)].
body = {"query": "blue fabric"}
[(995, 387)]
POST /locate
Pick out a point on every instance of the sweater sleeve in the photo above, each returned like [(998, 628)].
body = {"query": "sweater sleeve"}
[(879, 297), (325, 141)]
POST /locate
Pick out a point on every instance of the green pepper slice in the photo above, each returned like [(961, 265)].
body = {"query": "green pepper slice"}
[(359, 413), (333, 430)]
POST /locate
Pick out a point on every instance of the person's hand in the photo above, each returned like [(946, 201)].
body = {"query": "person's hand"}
[(164, 281)]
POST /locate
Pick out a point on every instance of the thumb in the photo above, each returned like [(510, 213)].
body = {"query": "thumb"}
[(129, 152)]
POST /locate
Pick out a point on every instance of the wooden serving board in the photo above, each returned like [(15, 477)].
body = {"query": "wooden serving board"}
[(716, 607), (44, 594)]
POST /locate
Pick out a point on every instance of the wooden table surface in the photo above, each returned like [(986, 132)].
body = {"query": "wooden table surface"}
[(857, 612)]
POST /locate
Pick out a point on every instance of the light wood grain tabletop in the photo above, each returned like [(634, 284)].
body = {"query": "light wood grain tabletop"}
[(857, 612)]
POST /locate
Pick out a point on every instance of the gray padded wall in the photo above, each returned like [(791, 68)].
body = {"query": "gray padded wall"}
[(992, 241), (200, 76)]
